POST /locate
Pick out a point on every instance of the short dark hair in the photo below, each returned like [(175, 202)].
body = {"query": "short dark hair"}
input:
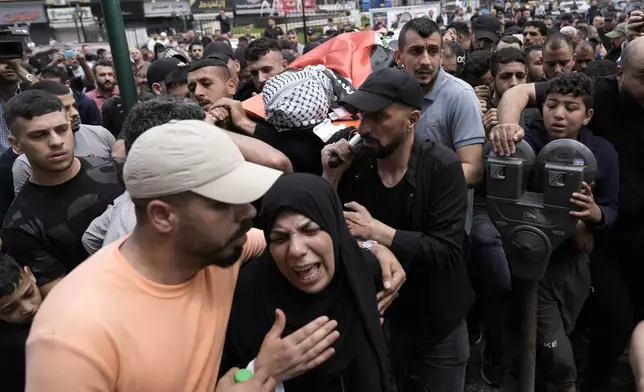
[(54, 72), (476, 65), (158, 111), (102, 63), (242, 39), (193, 43), (291, 32), (51, 87), (573, 83), (461, 28), (539, 25), (505, 56), (531, 48), (601, 67), (10, 275), (30, 104), (176, 78), (557, 40), (203, 63), (522, 21), (260, 48), (422, 26), (583, 31)]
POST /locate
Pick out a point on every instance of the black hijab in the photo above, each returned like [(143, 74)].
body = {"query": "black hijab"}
[(360, 361)]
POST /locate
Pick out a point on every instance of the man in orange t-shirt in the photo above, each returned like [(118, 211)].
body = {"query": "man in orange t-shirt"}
[(149, 312)]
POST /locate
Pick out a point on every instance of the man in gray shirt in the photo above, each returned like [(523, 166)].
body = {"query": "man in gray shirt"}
[(89, 140), (451, 113)]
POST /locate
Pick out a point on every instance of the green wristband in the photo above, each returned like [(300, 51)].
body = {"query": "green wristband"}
[(243, 375)]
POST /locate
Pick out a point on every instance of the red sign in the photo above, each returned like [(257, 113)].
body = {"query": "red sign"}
[(21, 16), (292, 6)]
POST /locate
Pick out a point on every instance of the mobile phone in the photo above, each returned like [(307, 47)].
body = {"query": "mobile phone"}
[(69, 53)]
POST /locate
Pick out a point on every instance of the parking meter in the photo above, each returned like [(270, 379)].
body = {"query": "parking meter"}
[(533, 224)]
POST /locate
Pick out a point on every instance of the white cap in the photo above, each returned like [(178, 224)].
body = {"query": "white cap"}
[(190, 155), (164, 34)]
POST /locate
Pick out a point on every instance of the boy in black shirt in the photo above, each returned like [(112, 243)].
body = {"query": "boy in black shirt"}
[(564, 289), (19, 301), (45, 223)]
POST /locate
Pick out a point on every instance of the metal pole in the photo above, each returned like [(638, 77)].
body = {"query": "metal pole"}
[(527, 364), (120, 51), (83, 28), (77, 30), (306, 36)]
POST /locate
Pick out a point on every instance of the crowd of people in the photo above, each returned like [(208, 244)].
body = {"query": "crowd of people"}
[(165, 248)]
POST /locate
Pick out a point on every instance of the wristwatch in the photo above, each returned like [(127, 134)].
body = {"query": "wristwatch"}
[(368, 244), (30, 78)]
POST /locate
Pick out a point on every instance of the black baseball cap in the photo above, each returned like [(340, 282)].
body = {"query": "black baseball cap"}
[(219, 50), (487, 26), (177, 53), (384, 87), (161, 68)]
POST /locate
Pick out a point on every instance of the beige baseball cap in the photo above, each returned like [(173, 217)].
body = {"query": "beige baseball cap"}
[(190, 155)]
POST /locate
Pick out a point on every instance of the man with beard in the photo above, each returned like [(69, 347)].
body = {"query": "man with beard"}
[(209, 80), (195, 49), (410, 195), (616, 268), (105, 83), (45, 223), (451, 113), (89, 140), (534, 33), (175, 275)]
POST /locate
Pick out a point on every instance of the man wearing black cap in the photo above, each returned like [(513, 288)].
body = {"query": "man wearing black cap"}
[(487, 31), (157, 72), (566, 20), (410, 195), (222, 51)]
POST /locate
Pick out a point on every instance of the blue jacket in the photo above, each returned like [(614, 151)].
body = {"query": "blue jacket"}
[(87, 109)]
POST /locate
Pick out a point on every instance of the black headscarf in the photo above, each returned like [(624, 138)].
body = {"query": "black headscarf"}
[(360, 360)]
